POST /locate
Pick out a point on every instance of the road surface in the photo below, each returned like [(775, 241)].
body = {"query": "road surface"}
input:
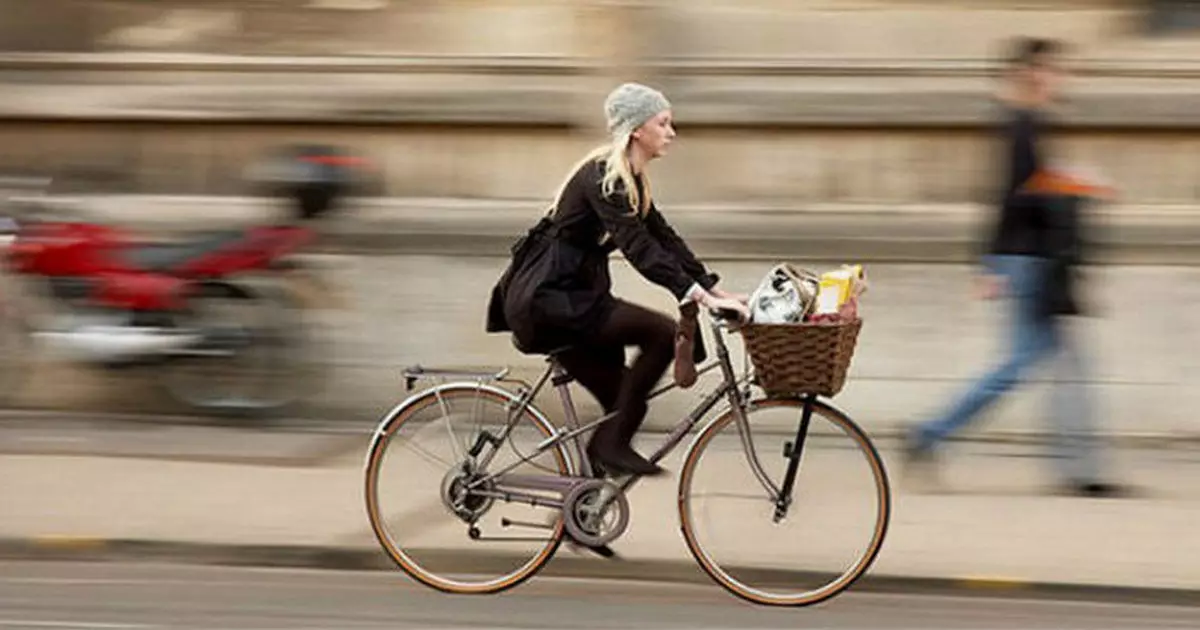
[(68, 596)]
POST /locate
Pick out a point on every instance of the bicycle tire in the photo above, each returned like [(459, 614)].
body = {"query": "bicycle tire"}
[(396, 419), (721, 576)]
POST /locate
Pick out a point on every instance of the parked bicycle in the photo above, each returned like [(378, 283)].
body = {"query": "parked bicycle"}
[(496, 450)]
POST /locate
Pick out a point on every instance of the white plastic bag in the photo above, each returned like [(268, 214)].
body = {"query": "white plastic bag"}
[(785, 295)]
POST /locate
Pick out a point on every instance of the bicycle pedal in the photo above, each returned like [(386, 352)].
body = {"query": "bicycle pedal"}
[(604, 551)]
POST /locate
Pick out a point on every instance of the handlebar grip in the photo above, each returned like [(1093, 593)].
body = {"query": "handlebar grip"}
[(726, 314)]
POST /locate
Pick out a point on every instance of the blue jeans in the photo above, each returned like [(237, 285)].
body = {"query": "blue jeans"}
[(1032, 339)]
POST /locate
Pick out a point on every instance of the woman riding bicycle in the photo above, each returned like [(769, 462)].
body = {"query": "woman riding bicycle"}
[(605, 204)]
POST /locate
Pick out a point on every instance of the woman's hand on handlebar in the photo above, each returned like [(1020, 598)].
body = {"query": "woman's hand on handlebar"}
[(726, 307), (720, 305)]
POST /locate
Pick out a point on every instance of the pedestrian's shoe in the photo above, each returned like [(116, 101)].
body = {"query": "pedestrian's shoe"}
[(1097, 490), (919, 461), (604, 551)]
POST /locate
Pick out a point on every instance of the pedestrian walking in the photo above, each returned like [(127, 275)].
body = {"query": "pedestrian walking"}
[(1032, 258)]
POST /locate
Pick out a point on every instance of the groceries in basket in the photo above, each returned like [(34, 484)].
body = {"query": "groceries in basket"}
[(804, 329), (837, 298), (788, 295), (785, 295)]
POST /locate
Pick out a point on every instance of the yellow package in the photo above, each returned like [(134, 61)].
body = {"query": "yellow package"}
[(836, 287)]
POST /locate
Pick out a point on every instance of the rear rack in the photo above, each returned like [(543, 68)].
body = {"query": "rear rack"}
[(416, 372)]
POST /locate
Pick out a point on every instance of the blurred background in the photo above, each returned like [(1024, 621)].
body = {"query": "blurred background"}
[(820, 133)]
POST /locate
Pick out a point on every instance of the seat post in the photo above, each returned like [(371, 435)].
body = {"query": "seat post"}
[(561, 381)]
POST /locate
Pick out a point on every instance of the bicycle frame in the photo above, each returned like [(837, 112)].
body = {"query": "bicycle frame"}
[(514, 487)]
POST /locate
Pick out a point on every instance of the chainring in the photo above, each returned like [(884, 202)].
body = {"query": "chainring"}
[(595, 512)]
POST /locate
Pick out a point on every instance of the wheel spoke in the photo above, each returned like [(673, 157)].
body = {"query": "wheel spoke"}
[(428, 456), (455, 444)]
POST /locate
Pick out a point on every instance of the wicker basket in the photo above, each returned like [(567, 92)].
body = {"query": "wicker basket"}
[(794, 359)]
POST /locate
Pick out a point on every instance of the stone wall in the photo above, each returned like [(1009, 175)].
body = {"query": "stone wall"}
[(709, 165), (830, 29), (850, 101)]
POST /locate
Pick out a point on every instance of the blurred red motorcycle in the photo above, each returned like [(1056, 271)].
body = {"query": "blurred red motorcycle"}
[(220, 344)]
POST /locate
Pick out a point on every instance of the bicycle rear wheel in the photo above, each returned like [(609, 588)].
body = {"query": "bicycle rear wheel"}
[(421, 505), (830, 532)]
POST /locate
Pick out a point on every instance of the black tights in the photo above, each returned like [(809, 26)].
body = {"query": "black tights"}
[(599, 365)]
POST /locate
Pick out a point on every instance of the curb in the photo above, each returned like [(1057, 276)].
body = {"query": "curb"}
[(85, 549), (339, 428)]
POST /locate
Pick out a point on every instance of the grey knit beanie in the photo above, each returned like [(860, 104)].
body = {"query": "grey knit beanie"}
[(630, 105)]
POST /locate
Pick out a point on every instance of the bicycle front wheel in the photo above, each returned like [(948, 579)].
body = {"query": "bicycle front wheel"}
[(794, 552), (429, 501)]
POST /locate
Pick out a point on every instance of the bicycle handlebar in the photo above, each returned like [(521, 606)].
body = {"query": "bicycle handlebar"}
[(726, 315), (723, 316)]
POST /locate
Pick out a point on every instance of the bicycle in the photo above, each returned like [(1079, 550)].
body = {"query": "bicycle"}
[(591, 510)]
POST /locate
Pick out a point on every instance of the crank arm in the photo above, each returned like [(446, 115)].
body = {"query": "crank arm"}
[(507, 522)]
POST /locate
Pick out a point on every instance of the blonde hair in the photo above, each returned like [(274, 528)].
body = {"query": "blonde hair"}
[(616, 168)]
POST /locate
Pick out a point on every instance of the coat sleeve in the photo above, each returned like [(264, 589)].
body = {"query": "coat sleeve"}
[(630, 233), (666, 235)]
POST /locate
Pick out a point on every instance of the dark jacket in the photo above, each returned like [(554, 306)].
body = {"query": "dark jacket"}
[(1019, 229), (1043, 226), (1063, 245), (557, 287)]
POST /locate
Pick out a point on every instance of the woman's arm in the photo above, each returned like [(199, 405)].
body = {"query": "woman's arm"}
[(658, 226), (707, 280), (643, 250)]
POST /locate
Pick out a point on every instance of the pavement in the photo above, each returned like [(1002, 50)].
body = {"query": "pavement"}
[(146, 596), (292, 497)]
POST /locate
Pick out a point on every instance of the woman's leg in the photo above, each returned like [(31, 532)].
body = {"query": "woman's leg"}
[(1077, 444), (1031, 339), (654, 335), (600, 370), (594, 367)]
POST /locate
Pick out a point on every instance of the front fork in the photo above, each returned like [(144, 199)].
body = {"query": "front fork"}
[(739, 402), (792, 451)]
